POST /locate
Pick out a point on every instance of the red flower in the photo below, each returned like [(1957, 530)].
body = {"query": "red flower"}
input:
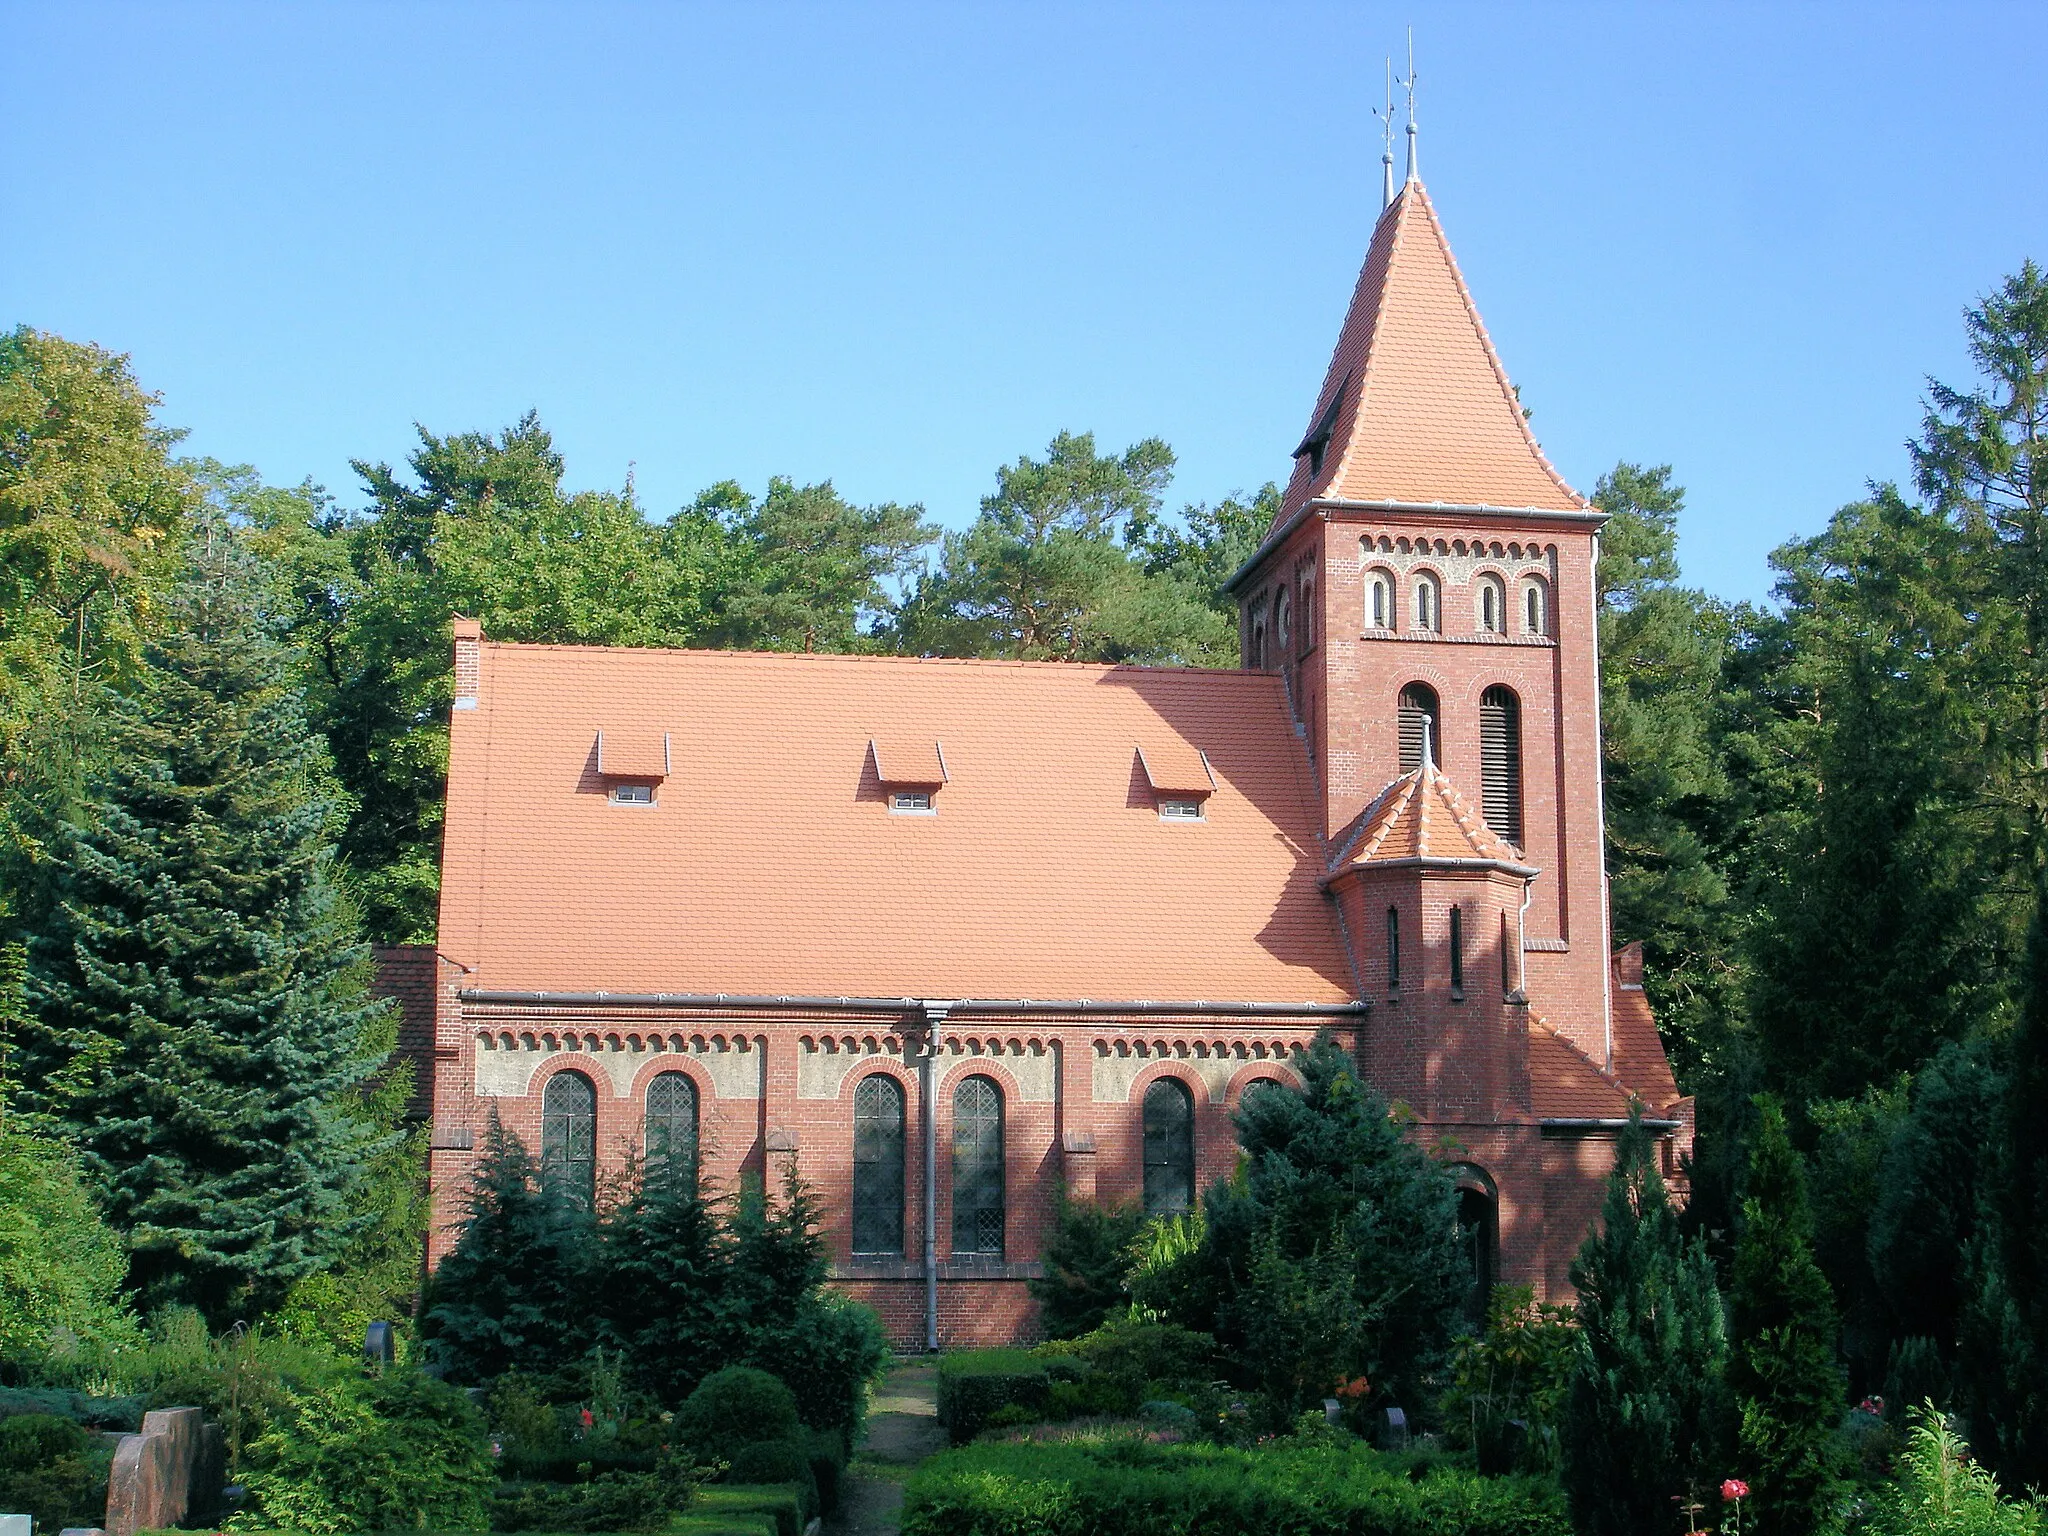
[(589, 1418), (1734, 1488)]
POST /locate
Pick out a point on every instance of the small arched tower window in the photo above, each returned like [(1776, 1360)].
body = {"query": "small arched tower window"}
[(1535, 607), (1282, 629), (568, 1138), (1457, 953), (1492, 600), (978, 1167), (1259, 644), (1428, 603), (672, 1131), (1418, 721), (1169, 1148), (1393, 949), (1379, 600), (1500, 762), (1307, 626), (878, 1165)]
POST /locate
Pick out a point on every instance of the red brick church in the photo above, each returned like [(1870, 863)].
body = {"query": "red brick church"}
[(958, 936)]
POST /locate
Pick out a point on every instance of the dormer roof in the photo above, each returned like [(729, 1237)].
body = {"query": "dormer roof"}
[(1415, 407), (1421, 820)]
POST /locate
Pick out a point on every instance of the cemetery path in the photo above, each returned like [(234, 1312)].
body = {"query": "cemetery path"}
[(903, 1429)]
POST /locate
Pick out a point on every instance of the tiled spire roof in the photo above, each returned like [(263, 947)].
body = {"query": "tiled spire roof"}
[(1415, 406), (1421, 818)]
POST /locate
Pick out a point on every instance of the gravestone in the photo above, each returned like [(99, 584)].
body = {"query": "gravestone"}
[(380, 1347)]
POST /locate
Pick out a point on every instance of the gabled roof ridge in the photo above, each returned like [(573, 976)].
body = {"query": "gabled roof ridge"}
[(1500, 372), (1377, 820), (1415, 797), (1477, 833), (1247, 674)]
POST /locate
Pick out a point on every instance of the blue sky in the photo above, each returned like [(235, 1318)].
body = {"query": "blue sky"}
[(896, 245)]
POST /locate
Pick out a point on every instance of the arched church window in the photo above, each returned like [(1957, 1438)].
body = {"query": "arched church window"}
[(672, 1130), (1418, 714), (1169, 1148), (568, 1138), (878, 1165), (1428, 603), (1500, 762), (978, 1167), (1535, 607), (1493, 605), (1379, 600)]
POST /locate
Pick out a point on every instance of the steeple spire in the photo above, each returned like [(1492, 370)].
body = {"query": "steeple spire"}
[(1414, 171), (1387, 142)]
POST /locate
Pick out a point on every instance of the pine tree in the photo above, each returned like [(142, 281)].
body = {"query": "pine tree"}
[(665, 1261), (1643, 1416), (1782, 1375), (200, 992), (517, 1289)]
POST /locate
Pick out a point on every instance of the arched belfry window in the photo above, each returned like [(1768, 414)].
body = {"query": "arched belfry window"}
[(1535, 607), (978, 1167), (1491, 599), (672, 1130), (1428, 607), (878, 1165), (1379, 600), (568, 1138), (1419, 714), (1500, 762), (1169, 1148)]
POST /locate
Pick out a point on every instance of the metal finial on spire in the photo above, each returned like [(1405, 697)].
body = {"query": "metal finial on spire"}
[(1414, 172), (1387, 142)]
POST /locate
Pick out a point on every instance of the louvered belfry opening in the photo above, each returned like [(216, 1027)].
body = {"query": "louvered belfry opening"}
[(1500, 762), (1418, 712)]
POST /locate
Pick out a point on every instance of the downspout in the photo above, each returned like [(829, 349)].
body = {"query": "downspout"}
[(935, 1016), (1522, 937)]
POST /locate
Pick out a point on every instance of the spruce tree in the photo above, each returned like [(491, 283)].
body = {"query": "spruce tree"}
[(199, 988), (1644, 1411), (1782, 1376), (517, 1291)]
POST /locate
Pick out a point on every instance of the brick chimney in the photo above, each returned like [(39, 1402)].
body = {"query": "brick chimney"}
[(469, 664)]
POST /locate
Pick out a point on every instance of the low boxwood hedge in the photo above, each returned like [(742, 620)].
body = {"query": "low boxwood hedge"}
[(975, 1383), (1140, 1488)]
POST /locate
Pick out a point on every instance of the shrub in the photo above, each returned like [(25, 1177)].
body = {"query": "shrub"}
[(400, 1452), (611, 1501), (1939, 1491), (828, 1453), (1138, 1487), (1085, 1262), (1131, 1355), (778, 1461), (116, 1413), (975, 1383), (780, 1508), (1508, 1384), (52, 1469), (830, 1353), (733, 1408)]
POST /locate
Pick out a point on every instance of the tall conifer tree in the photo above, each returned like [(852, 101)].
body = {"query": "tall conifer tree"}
[(1644, 1412), (199, 987), (1782, 1374)]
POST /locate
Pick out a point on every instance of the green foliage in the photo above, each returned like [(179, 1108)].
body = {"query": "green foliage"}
[(53, 1471), (1938, 1491), (1168, 1275), (829, 1352), (733, 1408), (737, 1508), (785, 1461), (607, 1501), (1130, 1359), (1085, 1259), (1644, 1412), (397, 1452), (1335, 1251), (1138, 1487), (1508, 1382), (202, 1020), (975, 1384), (1782, 1376)]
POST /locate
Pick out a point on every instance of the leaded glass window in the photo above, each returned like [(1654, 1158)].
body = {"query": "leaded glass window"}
[(1169, 1148), (568, 1138), (878, 1165), (672, 1130), (978, 1167)]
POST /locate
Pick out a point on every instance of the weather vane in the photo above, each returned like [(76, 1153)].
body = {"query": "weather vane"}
[(1409, 86), (1387, 142)]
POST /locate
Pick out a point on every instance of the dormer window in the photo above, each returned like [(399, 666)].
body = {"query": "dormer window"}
[(630, 763), (632, 794), (911, 802), (911, 771), (1180, 778), (1174, 808)]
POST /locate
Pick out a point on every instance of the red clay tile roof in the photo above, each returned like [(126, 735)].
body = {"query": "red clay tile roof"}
[(1639, 1058), (914, 761), (1427, 414), (632, 754), (771, 861), (1421, 816), (1567, 1084)]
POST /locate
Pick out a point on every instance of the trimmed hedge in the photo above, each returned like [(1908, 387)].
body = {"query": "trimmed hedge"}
[(1139, 1488), (781, 1506), (975, 1383)]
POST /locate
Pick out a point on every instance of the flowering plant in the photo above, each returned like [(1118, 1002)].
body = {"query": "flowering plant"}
[(1733, 1491), (1351, 1391)]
